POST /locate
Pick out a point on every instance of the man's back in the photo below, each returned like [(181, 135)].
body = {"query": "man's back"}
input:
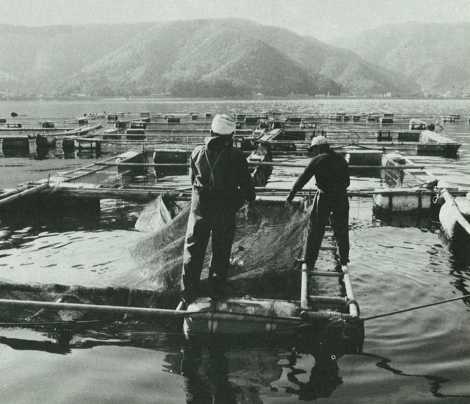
[(330, 170), (222, 170)]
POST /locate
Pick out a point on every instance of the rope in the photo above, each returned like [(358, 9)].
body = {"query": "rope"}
[(392, 313)]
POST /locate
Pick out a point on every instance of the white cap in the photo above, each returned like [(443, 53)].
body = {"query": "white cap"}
[(318, 140), (223, 125)]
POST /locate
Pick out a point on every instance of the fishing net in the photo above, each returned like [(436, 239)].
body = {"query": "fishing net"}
[(268, 239)]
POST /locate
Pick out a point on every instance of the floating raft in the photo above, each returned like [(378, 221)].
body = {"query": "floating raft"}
[(412, 190), (454, 216), (313, 314)]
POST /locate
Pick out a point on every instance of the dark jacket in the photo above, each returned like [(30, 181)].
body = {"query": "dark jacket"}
[(221, 172), (331, 173)]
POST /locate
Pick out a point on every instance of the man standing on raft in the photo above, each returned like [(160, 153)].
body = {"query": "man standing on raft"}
[(221, 185), (332, 180)]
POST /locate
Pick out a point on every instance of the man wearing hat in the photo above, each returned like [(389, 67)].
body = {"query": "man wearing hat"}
[(332, 179), (221, 185)]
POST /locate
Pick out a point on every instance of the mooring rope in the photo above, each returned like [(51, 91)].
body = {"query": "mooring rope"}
[(392, 313)]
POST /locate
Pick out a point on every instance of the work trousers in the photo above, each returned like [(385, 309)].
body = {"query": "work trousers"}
[(326, 206), (209, 217)]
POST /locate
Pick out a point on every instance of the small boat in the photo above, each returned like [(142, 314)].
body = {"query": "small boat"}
[(454, 216)]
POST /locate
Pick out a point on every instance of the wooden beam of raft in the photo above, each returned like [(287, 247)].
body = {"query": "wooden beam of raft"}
[(155, 312), (259, 163), (21, 194), (270, 196)]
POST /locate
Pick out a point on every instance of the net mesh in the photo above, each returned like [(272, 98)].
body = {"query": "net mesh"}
[(268, 239)]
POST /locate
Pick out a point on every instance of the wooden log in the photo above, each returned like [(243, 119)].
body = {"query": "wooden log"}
[(107, 193), (134, 194), (13, 191), (148, 193), (349, 294), (144, 164), (145, 311), (89, 307), (28, 192), (304, 286), (260, 163)]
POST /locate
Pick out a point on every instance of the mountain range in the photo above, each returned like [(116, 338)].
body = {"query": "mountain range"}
[(434, 55), (230, 58), (227, 57)]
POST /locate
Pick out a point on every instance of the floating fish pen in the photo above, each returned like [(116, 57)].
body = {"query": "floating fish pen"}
[(286, 119), (151, 171), (419, 143), (308, 311), (286, 132), (386, 119)]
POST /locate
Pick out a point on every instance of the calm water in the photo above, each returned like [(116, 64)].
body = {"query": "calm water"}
[(415, 357)]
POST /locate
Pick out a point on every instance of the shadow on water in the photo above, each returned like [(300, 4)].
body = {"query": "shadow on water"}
[(209, 375), (69, 214), (223, 372), (215, 369), (435, 382), (426, 220)]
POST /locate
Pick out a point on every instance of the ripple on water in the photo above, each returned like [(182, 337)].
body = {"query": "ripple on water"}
[(73, 253)]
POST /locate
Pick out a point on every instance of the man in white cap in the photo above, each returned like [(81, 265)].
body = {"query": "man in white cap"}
[(332, 180), (221, 185)]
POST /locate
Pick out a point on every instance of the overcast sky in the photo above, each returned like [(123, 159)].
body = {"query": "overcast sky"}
[(324, 19)]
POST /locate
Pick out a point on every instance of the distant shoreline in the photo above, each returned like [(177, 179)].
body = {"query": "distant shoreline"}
[(227, 99)]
